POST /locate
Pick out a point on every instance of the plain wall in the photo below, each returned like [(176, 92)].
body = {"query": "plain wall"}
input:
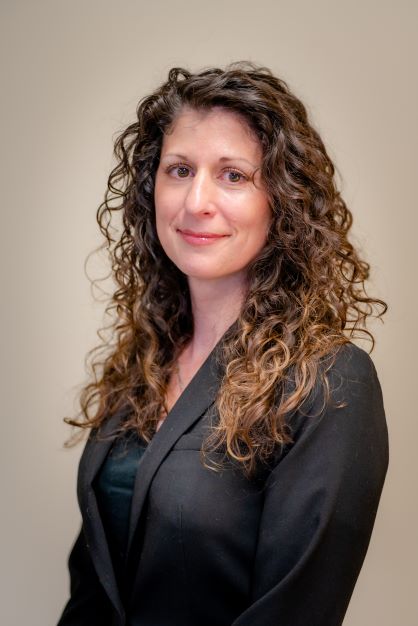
[(73, 72)]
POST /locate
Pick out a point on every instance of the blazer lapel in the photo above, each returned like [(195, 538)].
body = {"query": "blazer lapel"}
[(193, 402), (199, 394), (92, 458)]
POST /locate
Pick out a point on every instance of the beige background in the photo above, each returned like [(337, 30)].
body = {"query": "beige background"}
[(73, 73)]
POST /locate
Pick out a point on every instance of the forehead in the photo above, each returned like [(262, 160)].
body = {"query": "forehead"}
[(217, 127)]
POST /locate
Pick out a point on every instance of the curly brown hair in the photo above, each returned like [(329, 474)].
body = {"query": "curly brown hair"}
[(306, 294)]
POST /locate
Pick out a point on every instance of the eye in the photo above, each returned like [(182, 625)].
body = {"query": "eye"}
[(234, 176), (179, 170)]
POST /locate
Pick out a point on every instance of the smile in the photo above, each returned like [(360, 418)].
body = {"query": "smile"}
[(200, 238)]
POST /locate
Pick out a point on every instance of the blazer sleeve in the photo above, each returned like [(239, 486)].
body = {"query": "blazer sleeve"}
[(320, 504), (88, 604)]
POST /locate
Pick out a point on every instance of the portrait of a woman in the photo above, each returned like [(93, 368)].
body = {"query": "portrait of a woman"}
[(237, 443)]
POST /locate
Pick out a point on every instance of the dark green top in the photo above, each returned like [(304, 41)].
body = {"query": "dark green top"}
[(114, 488)]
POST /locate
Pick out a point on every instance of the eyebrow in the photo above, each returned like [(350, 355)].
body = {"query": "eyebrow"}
[(223, 159)]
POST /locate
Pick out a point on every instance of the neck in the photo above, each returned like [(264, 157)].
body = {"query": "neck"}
[(215, 306)]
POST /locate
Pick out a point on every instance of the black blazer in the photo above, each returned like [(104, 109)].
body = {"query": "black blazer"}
[(216, 549)]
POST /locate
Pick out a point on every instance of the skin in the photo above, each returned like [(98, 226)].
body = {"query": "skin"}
[(208, 182)]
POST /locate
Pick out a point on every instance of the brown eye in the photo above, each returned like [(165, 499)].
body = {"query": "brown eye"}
[(179, 170), (182, 171), (234, 176)]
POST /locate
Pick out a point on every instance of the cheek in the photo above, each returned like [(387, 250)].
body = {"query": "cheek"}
[(167, 202), (161, 218), (160, 195), (266, 221), (260, 228), (257, 221), (163, 207)]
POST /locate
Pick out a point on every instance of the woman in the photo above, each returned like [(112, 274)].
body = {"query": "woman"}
[(238, 443)]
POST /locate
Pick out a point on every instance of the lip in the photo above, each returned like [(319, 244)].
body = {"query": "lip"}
[(199, 238)]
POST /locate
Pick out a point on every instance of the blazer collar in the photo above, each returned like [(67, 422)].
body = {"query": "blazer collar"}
[(199, 394), (92, 458)]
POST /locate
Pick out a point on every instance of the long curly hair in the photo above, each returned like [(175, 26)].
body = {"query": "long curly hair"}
[(306, 294)]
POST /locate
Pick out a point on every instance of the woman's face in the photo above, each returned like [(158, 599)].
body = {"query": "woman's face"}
[(212, 220)]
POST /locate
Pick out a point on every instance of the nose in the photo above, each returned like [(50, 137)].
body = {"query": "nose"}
[(201, 194)]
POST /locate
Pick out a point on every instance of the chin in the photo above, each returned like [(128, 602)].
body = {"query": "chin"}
[(201, 275), (211, 276)]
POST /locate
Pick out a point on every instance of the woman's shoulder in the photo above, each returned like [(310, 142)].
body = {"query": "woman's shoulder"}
[(350, 362), (351, 397), (351, 377)]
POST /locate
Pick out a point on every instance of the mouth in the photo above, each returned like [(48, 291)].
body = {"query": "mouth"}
[(195, 237)]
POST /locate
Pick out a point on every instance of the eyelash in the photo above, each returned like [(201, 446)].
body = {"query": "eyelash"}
[(227, 169)]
